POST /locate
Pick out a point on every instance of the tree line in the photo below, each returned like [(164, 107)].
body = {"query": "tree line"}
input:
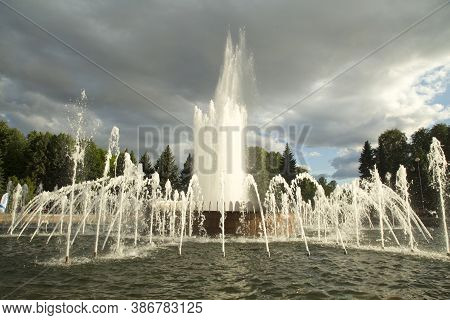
[(395, 149), (41, 160), (263, 165)]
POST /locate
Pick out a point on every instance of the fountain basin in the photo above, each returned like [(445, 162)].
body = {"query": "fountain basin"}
[(158, 272)]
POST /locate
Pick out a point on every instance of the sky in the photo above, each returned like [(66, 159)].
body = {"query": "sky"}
[(171, 52)]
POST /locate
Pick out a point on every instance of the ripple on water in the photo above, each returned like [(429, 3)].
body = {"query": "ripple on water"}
[(158, 272)]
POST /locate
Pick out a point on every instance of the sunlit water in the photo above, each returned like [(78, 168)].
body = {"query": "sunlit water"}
[(34, 271)]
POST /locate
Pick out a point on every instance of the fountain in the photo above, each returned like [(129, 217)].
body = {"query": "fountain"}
[(402, 185), (438, 167), (218, 143), (113, 149), (15, 202), (77, 157), (131, 209)]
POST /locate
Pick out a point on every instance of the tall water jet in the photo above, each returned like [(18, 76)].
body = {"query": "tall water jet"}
[(15, 203), (380, 201), (77, 157), (285, 211), (127, 175), (355, 188), (218, 134), (184, 204), (168, 192), (138, 185), (221, 208), (251, 183), (438, 167), (402, 186), (298, 198), (113, 149), (155, 190)]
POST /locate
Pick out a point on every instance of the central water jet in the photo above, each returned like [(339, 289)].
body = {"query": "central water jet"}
[(218, 134)]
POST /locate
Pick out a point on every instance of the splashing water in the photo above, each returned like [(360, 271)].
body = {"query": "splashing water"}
[(77, 158), (113, 149), (222, 128), (438, 167), (134, 209)]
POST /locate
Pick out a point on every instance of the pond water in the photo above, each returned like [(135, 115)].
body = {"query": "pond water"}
[(35, 271)]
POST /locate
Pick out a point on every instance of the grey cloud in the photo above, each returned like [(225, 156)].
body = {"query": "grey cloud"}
[(346, 165), (172, 52)]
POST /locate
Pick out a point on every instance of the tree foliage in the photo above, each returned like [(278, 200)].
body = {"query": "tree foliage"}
[(94, 161), (2, 176), (45, 158), (259, 167), (167, 168), (367, 160), (186, 173), (59, 164), (147, 166), (288, 165), (392, 152), (394, 149), (118, 171), (12, 147)]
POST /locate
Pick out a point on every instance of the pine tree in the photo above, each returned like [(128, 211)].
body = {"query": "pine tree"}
[(186, 173), (133, 157), (288, 165), (147, 166), (168, 169), (366, 160)]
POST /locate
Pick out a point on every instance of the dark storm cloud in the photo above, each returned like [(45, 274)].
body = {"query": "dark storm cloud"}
[(172, 51)]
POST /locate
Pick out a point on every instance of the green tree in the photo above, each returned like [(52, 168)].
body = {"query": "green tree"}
[(307, 188), (288, 165), (113, 166), (257, 166), (392, 152), (423, 196), (273, 161), (12, 147), (120, 164), (366, 161), (147, 166), (59, 162), (168, 169), (31, 188), (328, 187), (133, 157), (94, 161), (186, 173), (2, 176), (37, 157), (441, 132)]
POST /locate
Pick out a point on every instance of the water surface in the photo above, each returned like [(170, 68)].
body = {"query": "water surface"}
[(35, 271)]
